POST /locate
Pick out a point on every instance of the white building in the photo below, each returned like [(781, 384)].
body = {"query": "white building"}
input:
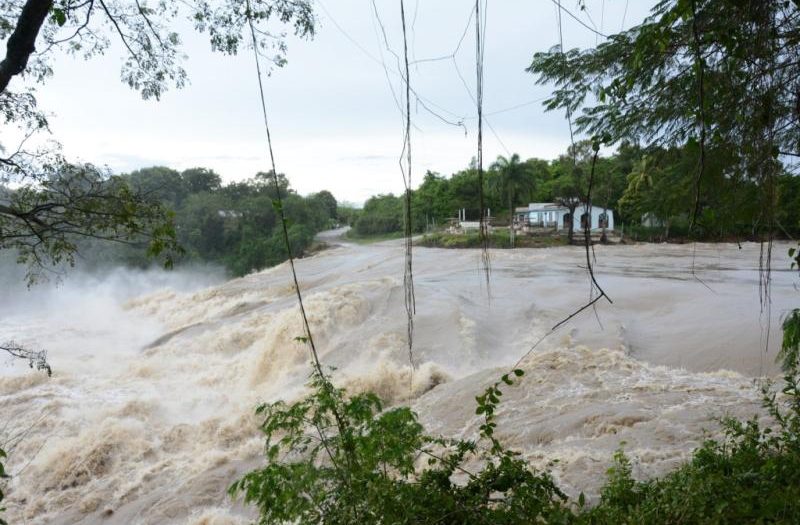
[(554, 216)]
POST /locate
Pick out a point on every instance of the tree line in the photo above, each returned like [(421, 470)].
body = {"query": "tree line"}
[(650, 189), (235, 225)]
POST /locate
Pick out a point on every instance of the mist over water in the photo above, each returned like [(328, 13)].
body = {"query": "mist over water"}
[(149, 414), (82, 316)]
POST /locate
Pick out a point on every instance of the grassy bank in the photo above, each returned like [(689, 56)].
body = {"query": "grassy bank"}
[(352, 236), (497, 239)]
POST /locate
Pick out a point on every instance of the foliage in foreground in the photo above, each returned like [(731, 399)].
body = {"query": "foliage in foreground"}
[(383, 468)]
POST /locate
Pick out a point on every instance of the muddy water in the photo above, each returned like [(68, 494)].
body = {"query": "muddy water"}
[(148, 416)]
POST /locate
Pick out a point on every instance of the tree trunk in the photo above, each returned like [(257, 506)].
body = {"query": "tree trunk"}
[(22, 41), (571, 230), (603, 236), (511, 232)]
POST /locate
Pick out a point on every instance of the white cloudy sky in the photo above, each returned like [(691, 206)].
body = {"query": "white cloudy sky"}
[(334, 120)]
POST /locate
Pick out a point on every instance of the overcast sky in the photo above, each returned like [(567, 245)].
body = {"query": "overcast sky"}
[(335, 123)]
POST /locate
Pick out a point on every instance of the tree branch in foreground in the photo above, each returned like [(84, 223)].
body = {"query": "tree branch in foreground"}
[(35, 359), (22, 41)]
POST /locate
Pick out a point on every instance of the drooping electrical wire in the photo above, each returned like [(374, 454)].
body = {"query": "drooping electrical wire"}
[(593, 299), (624, 15), (572, 15), (563, 56), (593, 284), (408, 274), (602, 19), (279, 205), (701, 116), (420, 100), (484, 115), (483, 220), (452, 119), (341, 423)]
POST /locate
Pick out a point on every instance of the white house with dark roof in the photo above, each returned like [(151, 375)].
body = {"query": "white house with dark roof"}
[(549, 215)]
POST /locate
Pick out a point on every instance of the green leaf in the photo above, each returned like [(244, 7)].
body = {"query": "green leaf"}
[(59, 16)]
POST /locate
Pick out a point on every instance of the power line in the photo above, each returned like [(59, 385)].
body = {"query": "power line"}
[(482, 116), (602, 14), (414, 30), (572, 15), (585, 11), (563, 56), (602, 18), (382, 63), (279, 202), (433, 108), (511, 108), (421, 100), (482, 221), (624, 14), (366, 53), (458, 46), (408, 274)]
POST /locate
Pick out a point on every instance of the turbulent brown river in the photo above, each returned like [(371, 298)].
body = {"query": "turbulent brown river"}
[(148, 417)]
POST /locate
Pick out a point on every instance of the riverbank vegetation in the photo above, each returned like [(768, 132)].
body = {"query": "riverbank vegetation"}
[(650, 190), (353, 236), (497, 239), (233, 225)]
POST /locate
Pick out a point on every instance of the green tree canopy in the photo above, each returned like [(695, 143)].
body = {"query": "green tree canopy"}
[(47, 202), (201, 179), (381, 214), (720, 74), (326, 203), (512, 178)]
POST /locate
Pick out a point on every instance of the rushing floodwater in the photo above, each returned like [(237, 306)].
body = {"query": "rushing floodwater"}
[(149, 414)]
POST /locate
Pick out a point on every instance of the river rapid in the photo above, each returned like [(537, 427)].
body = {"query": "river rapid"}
[(148, 417)]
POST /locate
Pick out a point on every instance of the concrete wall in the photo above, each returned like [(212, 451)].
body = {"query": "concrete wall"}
[(559, 214)]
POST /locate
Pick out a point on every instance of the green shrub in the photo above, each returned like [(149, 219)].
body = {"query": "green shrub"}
[(335, 459), (381, 214), (497, 239)]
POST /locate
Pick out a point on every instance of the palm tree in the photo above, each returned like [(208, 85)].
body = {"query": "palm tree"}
[(513, 178)]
